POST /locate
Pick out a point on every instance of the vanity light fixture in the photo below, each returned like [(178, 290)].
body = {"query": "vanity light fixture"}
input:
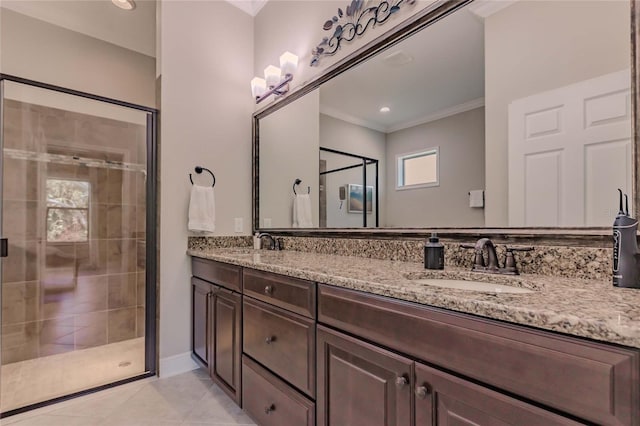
[(276, 80), (125, 4), (385, 109)]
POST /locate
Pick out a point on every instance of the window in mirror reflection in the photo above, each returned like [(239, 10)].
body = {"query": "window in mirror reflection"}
[(418, 169)]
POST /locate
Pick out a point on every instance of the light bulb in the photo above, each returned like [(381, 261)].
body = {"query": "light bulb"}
[(272, 76), (288, 63), (258, 86)]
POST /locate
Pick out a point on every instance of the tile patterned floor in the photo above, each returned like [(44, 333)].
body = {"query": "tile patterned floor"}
[(189, 399), (35, 380)]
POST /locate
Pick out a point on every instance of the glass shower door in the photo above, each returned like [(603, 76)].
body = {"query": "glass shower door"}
[(74, 194)]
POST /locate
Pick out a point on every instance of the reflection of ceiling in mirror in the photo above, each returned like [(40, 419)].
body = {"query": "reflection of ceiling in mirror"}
[(439, 69)]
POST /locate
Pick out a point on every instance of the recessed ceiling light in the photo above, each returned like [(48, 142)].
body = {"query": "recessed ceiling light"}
[(125, 4), (385, 109)]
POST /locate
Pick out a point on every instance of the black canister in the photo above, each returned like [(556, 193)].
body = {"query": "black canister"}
[(433, 253)]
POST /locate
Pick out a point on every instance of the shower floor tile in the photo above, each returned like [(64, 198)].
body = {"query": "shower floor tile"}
[(35, 380)]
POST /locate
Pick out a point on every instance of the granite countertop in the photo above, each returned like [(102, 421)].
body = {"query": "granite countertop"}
[(587, 308)]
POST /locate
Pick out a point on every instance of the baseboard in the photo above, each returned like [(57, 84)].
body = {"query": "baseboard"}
[(177, 364)]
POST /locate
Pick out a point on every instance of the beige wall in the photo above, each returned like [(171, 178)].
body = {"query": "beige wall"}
[(36, 50), (289, 150), (534, 46), (297, 26), (207, 62), (461, 142)]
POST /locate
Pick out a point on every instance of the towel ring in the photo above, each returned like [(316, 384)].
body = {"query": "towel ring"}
[(298, 182), (199, 170)]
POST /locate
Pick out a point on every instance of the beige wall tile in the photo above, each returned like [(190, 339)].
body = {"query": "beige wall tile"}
[(19, 342), (91, 294), (122, 290), (21, 264), (121, 221), (21, 180), (23, 220), (20, 302), (92, 257), (121, 256), (122, 324), (56, 336), (91, 330)]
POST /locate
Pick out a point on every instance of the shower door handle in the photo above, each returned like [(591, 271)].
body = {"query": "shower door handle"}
[(4, 247)]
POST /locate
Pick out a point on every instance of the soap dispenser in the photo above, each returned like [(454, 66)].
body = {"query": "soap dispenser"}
[(433, 253), (626, 270)]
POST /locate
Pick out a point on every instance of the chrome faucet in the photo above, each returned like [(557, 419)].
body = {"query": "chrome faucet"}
[(492, 265), (274, 243)]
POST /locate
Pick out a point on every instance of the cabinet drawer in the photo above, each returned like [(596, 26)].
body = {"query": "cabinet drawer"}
[(229, 276), (296, 295), (281, 341), (589, 380), (270, 401)]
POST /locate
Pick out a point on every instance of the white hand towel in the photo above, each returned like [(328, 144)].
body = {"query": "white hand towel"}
[(302, 211), (202, 209)]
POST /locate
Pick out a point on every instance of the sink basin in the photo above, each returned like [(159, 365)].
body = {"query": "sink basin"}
[(473, 286)]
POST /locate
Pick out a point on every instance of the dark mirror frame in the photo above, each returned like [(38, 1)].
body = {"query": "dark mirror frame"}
[(594, 236)]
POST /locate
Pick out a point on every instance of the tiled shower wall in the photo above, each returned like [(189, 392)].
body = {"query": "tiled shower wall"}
[(59, 297)]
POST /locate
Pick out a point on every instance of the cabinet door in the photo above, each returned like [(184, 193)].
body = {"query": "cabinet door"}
[(360, 384), (201, 291), (226, 340), (443, 399)]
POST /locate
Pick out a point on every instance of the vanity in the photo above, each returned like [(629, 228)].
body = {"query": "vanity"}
[(337, 340), (526, 128)]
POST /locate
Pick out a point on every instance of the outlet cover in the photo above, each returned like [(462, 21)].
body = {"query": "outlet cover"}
[(238, 224)]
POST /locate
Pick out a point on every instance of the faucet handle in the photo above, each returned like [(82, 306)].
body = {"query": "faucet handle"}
[(510, 260), (478, 261)]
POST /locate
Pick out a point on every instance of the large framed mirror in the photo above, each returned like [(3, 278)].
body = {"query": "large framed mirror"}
[(475, 115)]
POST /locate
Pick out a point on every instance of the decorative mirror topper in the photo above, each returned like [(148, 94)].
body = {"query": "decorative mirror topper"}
[(357, 18)]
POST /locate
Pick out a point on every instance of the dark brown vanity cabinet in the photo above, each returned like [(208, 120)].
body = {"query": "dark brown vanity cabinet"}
[(217, 322), (360, 384), (200, 293), (279, 344), (596, 382)]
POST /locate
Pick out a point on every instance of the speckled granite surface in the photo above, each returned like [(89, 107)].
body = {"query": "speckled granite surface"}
[(587, 308), (557, 261)]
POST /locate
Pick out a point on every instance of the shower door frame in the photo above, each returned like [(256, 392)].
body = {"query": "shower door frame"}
[(151, 259)]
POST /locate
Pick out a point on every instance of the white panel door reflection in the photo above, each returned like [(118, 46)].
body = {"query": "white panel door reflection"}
[(569, 150)]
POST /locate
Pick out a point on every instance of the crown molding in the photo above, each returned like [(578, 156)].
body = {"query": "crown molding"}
[(443, 113), (251, 7), (486, 8), (332, 112)]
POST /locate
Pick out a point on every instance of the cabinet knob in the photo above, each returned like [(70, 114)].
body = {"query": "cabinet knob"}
[(270, 340), (270, 408), (422, 391), (402, 381), (268, 289)]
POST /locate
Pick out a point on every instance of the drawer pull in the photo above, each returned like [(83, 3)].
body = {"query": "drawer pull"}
[(268, 289), (402, 381), (422, 391), (270, 340), (269, 409)]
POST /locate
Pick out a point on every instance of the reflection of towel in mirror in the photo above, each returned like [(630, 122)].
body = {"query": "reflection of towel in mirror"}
[(202, 209), (302, 211)]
